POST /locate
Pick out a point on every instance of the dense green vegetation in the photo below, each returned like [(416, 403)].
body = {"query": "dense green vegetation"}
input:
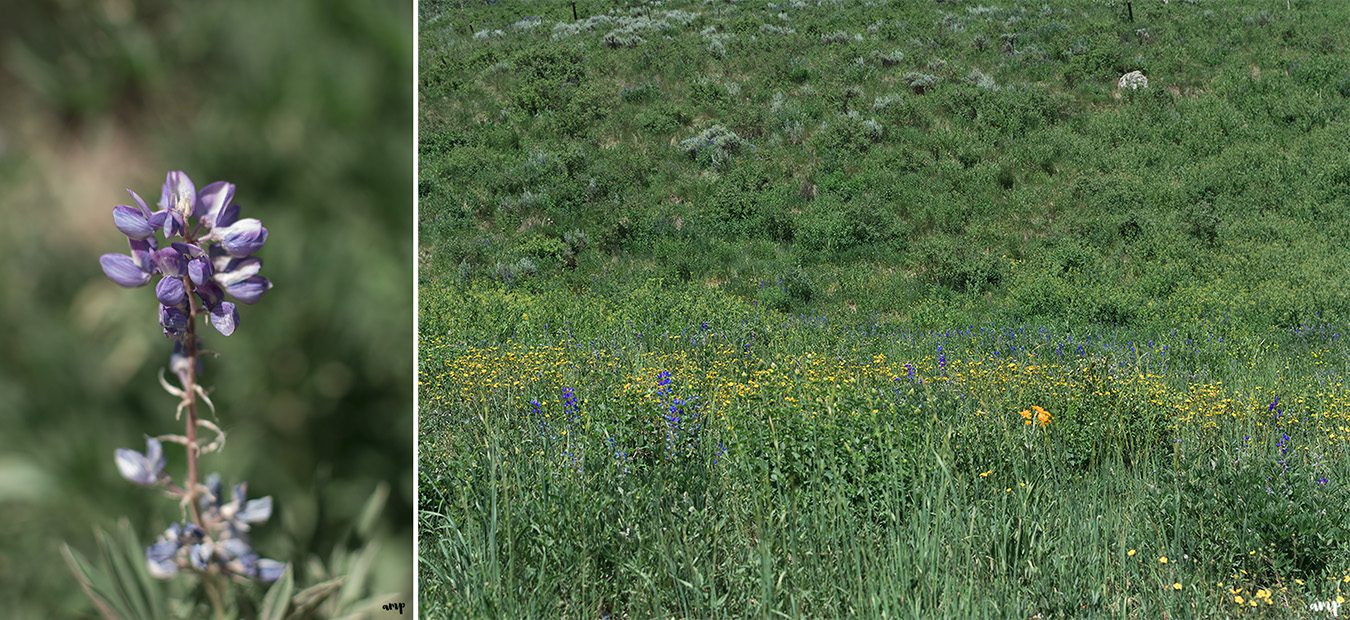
[(734, 309), (1020, 183)]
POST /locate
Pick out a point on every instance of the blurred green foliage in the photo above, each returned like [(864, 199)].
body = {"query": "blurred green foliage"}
[(307, 107)]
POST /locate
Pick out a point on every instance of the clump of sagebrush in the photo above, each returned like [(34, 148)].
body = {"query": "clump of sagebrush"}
[(920, 83), (982, 80), (839, 36), (566, 29), (528, 23), (717, 41), (713, 146), (627, 29), (776, 29), (205, 258), (889, 59)]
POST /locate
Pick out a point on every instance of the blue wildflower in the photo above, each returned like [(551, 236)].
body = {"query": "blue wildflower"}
[(143, 469)]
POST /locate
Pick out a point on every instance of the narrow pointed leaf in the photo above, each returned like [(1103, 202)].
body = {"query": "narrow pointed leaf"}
[(278, 597)]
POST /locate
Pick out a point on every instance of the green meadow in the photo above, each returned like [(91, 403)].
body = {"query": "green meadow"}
[(884, 309)]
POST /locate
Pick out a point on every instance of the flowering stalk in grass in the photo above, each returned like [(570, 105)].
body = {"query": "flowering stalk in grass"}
[(204, 264)]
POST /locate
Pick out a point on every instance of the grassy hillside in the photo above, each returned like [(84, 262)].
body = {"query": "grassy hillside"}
[(930, 161), (884, 309)]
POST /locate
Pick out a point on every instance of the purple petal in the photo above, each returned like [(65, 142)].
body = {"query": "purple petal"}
[(143, 469), (160, 557), (224, 318), (238, 270), (178, 194), (243, 237), (174, 224), (124, 271), (170, 292), (232, 548), (199, 269), (200, 555), (270, 570), (157, 218), (227, 216), (213, 500), (140, 203), (249, 290), (256, 510), (170, 262), (213, 199), (154, 451), (143, 251), (172, 319), (132, 223), (190, 250), (210, 294)]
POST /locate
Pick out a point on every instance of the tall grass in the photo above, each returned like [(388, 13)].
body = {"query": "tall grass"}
[(873, 495)]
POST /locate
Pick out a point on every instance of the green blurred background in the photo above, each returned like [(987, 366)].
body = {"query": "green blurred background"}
[(307, 107)]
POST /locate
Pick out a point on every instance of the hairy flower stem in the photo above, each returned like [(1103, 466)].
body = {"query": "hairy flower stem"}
[(213, 589), (190, 393)]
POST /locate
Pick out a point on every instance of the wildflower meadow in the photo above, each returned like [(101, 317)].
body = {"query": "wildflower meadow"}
[(814, 309)]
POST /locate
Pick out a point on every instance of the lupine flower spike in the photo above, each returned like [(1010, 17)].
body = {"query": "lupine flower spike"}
[(201, 251)]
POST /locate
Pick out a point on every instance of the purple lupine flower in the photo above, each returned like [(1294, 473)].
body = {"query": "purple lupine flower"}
[(143, 469), (173, 320), (204, 240), (570, 406), (161, 557), (204, 254), (134, 270), (237, 276), (227, 548), (133, 223), (173, 549), (170, 292), (224, 317), (242, 238), (242, 512), (238, 513), (1322, 481), (216, 202)]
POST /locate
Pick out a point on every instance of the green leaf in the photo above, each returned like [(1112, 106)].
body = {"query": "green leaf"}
[(119, 586), (310, 598), (124, 558), (149, 589), (357, 573), (365, 608), (278, 597), (371, 513), (94, 583)]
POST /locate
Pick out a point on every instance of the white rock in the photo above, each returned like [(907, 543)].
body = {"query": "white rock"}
[(1133, 80)]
